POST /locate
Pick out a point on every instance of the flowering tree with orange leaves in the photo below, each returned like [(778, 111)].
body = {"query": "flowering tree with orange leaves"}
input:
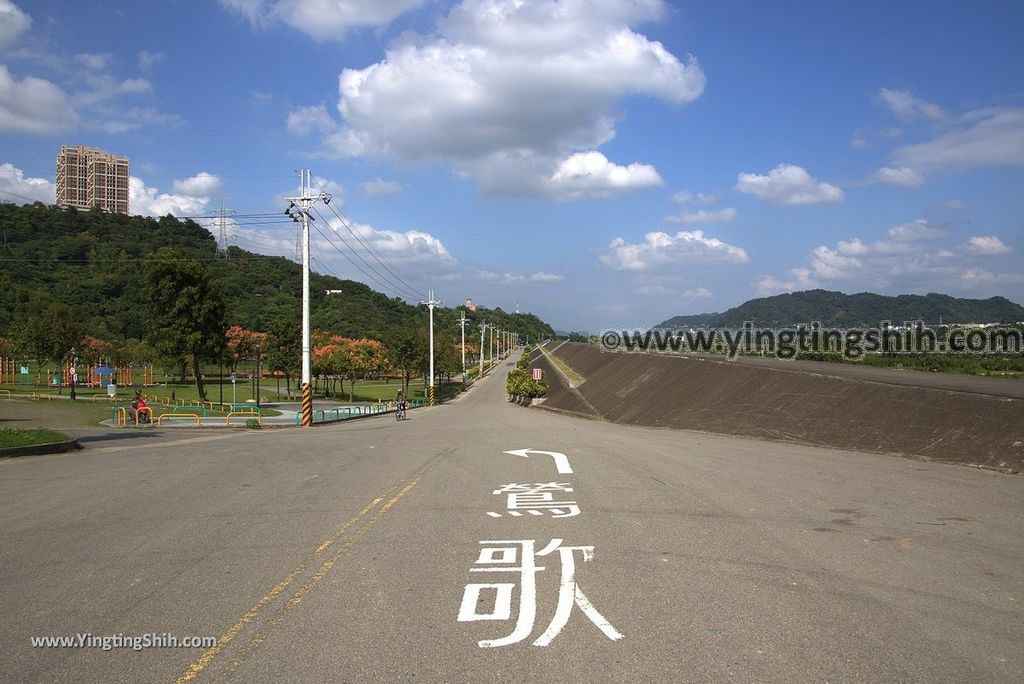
[(243, 344)]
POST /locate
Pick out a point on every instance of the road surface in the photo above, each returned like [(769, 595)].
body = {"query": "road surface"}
[(378, 550)]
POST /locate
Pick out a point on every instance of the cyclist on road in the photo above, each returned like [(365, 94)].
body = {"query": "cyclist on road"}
[(400, 405)]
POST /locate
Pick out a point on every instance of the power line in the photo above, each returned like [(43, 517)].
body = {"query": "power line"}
[(387, 287), (418, 289), (379, 278)]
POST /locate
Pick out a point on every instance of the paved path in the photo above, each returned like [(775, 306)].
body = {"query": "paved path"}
[(350, 552)]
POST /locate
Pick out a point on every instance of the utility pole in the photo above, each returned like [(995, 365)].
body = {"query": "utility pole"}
[(483, 329), (462, 323), (298, 210), (431, 303)]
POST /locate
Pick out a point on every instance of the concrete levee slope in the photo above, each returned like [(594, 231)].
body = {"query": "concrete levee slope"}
[(971, 425)]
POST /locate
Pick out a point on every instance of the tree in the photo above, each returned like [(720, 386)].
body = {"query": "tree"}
[(284, 348), (50, 335), (364, 357), (185, 314), (407, 351)]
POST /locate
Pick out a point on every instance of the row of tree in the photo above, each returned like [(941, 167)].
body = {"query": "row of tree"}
[(185, 327)]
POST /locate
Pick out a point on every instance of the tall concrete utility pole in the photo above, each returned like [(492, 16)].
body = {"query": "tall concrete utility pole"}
[(483, 329), (298, 210), (462, 323), (431, 303)]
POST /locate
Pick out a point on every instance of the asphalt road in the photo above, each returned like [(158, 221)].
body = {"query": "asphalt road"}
[(377, 550)]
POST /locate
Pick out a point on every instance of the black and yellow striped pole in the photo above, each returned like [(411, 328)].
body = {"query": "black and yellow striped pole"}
[(307, 405), (430, 395)]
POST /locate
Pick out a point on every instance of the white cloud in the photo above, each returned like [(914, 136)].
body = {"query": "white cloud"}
[(703, 216), (907, 259), (322, 19), (661, 250), (905, 106), (149, 201), (801, 279), (378, 187), (94, 61), (32, 105), (306, 120), (590, 174), (202, 184), (13, 23), (542, 277), (919, 229), (509, 91), (788, 184), (992, 136), (986, 245), (687, 197), (903, 175), (15, 187), (148, 60)]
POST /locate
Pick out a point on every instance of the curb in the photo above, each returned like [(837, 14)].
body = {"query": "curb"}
[(40, 449)]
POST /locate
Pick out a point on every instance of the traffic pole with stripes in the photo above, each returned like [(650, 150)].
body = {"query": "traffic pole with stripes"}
[(430, 394), (307, 405)]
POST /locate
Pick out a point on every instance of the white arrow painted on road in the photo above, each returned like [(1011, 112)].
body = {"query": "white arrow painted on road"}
[(561, 462)]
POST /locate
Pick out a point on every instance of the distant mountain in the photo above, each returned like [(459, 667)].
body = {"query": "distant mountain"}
[(835, 309)]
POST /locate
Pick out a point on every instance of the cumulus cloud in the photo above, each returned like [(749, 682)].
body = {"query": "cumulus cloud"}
[(903, 175), (703, 216), (32, 105), (590, 174), (149, 201), (321, 19), (92, 98), (909, 257), (13, 23), (993, 136), (660, 250), (511, 93), (905, 106), (16, 188), (788, 184), (202, 184), (378, 187), (986, 245)]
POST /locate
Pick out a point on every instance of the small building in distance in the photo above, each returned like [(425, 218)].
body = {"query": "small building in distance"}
[(470, 306), (88, 177)]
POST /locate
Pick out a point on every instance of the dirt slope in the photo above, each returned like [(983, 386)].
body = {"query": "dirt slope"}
[(971, 426)]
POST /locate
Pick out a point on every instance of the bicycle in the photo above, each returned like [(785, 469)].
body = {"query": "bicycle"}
[(400, 411)]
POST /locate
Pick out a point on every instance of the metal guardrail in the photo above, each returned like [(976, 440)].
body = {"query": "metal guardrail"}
[(247, 414), (159, 420), (145, 409)]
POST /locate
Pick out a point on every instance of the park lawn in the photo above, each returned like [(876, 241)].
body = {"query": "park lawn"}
[(14, 437)]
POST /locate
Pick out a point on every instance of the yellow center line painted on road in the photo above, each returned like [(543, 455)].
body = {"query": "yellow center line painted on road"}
[(321, 572), (204, 660)]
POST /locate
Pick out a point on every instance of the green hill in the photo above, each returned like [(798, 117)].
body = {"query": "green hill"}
[(93, 263), (835, 309)]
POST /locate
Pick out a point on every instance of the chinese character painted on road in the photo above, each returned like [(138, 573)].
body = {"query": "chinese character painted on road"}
[(537, 498), (519, 557)]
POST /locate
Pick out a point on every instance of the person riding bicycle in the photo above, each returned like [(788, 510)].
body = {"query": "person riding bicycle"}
[(400, 404)]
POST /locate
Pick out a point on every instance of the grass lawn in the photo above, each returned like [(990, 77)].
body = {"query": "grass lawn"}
[(13, 437)]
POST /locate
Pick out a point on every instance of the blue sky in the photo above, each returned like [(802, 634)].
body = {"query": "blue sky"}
[(599, 163)]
